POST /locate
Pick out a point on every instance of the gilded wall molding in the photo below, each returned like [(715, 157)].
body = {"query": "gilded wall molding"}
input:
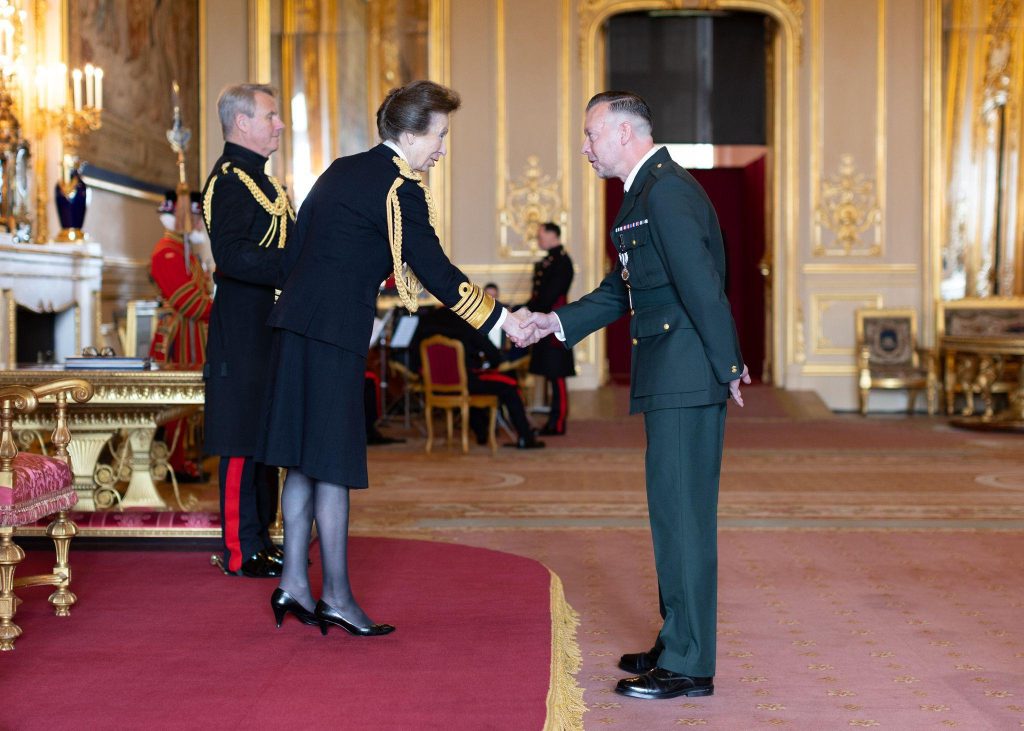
[(530, 200), (821, 303), (533, 197), (848, 204), (848, 207)]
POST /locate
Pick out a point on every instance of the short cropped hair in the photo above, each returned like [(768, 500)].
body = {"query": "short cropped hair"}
[(239, 99), (408, 108), (553, 228), (626, 102)]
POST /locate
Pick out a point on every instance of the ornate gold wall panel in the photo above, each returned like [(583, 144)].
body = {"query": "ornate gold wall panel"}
[(821, 303), (534, 195), (848, 206)]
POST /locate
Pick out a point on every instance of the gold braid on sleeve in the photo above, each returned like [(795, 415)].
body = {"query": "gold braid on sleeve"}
[(474, 305)]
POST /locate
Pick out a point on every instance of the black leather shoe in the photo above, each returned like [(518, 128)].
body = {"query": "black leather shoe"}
[(282, 602), (548, 431), (275, 554), (529, 443), (260, 566), (326, 614), (639, 663), (661, 683)]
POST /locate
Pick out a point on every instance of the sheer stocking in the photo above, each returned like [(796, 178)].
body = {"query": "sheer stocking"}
[(332, 503), (297, 507)]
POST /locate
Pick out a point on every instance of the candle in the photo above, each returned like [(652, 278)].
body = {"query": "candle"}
[(62, 86), (99, 88), (76, 88), (89, 85)]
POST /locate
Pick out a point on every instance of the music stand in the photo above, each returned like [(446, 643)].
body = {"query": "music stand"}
[(402, 339)]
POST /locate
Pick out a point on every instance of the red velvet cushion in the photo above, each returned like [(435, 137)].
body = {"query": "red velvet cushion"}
[(444, 365), (42, 486)]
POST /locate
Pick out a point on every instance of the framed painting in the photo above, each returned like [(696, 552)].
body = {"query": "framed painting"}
[(142, 46)]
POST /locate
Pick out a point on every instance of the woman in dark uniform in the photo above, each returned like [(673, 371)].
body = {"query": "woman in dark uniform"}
[(368, 216)]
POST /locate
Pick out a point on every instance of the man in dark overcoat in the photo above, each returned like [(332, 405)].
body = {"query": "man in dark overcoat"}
[(686, 363), (552, 277), (249, 217)]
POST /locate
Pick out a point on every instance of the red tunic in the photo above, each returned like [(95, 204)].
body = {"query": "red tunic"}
[(180, 337)]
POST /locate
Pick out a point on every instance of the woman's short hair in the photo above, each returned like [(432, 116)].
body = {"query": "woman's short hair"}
[(239, 99), (408, 108)]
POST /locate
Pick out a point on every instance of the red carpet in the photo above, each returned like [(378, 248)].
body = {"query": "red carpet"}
[(162, 640)]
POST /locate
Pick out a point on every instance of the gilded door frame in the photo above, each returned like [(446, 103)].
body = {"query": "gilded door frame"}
[(782, 199)]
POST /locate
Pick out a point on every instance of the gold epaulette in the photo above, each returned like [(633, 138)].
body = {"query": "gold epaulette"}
[(475, 305)]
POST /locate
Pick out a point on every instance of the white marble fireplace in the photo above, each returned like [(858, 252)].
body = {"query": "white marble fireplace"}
[(51, 286)]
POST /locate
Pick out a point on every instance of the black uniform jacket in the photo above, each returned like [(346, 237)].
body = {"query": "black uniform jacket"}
[(239, 340), (685, 349), (552, 277), (341, 253)]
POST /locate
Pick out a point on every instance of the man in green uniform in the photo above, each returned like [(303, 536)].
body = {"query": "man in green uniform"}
[(686, 362)]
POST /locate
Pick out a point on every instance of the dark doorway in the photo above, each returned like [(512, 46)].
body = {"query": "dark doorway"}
[(704, 77)]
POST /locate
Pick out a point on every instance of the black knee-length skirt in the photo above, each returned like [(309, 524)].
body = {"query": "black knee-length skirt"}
[(313, 412)]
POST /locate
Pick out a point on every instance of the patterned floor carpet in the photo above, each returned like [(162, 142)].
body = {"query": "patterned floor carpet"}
[(870, 568)]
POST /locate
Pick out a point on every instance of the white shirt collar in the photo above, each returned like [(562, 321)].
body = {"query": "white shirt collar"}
[(396, 148), (636, 168)]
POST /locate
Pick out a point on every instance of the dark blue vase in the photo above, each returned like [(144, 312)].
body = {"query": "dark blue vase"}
[(70, 198)]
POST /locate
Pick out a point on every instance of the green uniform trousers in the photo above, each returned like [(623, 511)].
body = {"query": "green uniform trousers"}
[(683, 461)]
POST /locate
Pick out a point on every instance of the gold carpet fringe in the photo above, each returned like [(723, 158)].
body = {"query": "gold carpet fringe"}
[(565, 696)]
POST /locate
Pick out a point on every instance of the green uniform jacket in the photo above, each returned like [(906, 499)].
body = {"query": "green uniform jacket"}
[(685, 349)]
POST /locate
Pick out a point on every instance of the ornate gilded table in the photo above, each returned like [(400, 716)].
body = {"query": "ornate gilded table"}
[(135, 401), (981, 364)]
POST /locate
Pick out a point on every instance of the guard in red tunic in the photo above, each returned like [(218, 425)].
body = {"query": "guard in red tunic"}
[(180, 337), (552, 277)]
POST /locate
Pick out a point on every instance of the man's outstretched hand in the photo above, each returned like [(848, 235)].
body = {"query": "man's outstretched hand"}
[(543, 324)]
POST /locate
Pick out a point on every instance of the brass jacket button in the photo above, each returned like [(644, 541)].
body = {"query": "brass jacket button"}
[(635, 341), (665, 326)]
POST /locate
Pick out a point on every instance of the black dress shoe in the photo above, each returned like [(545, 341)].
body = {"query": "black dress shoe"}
[(282, 602), (548, 431), (275, 554), (661, 683), (639, 663), (326, 614), (260, 566)]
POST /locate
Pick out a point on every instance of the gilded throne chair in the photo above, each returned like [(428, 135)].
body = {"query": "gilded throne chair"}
[(888, 357), (33, 486)]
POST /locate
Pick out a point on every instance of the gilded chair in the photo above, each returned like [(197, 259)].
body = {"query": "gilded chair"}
[(33, 486), (889, 358), (446, 387)]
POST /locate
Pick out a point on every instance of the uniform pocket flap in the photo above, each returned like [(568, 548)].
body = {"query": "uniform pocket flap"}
[(660, 320)]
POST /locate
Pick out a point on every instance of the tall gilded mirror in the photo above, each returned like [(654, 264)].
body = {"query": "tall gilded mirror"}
[(334, 60), (982, 80)]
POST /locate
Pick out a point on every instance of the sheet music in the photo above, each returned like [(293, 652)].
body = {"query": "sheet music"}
[(378, 327), (404, 331)]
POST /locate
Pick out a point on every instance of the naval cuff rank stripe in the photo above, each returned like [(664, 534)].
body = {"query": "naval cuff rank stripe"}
[(475, 305)]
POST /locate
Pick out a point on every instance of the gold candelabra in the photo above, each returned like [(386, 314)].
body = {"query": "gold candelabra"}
[(72, 104)]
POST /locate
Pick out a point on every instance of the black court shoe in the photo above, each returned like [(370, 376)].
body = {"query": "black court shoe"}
[(326, 614), (282, 602)]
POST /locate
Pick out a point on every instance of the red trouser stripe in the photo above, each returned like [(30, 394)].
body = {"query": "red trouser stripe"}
[(232, 497), (563, 404), (497, 378)]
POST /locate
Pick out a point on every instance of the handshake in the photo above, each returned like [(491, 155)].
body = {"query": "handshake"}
[(526, 328)]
